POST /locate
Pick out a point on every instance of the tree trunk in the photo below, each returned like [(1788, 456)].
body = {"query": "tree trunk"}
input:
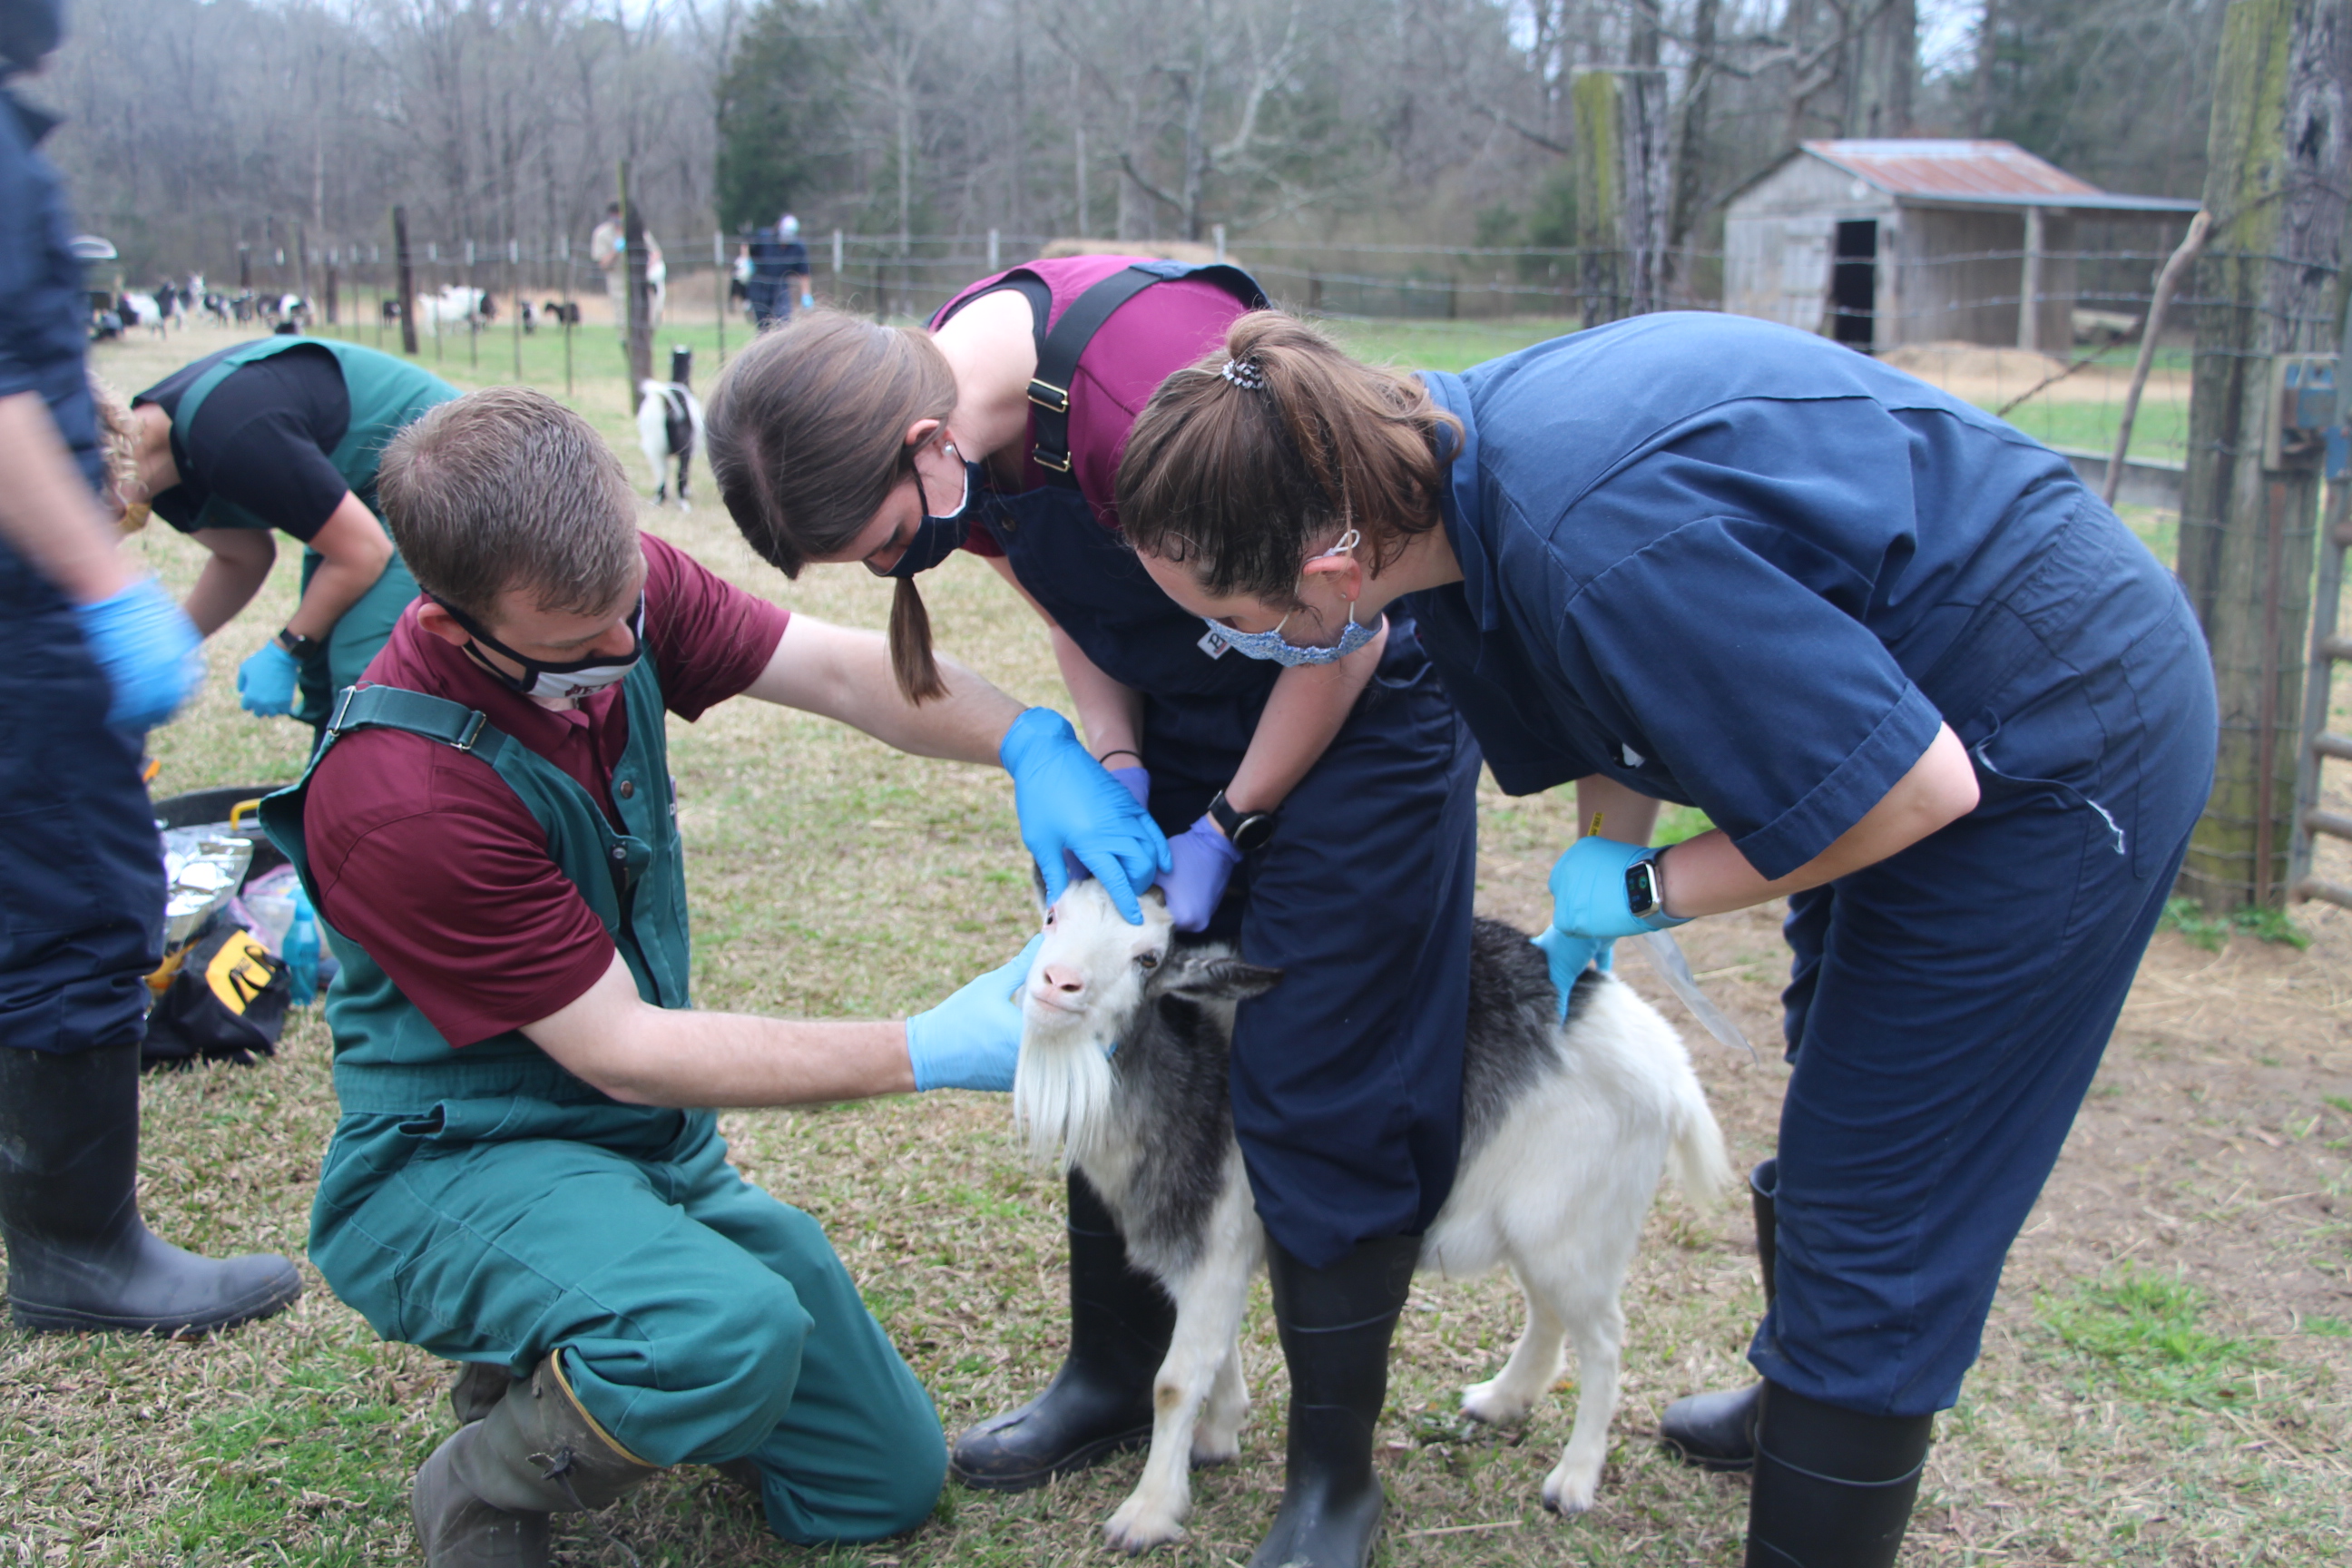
[(640, 319), (408, 280), (1690, 145), (1623, 185), (2279, 155)]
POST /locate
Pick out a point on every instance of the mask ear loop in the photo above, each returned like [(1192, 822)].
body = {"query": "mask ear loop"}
[(1345, 546)]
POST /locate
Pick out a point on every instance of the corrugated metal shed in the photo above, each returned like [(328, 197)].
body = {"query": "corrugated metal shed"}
[(1994, 173)]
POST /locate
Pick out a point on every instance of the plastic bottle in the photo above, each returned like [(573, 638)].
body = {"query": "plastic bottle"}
[(303, 950)]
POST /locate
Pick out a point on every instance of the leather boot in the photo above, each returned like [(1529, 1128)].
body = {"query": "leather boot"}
[(1100, 1400), (1335, 1325), (483, 1499), (1718, 1431), (78, 1258), (1834, 1488)]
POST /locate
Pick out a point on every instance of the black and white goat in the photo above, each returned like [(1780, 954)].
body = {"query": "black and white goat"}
[(1567, 1128), (670, 422)]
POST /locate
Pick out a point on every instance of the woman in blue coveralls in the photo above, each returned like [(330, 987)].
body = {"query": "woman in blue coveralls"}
[(1322, 815), (1927, 686)]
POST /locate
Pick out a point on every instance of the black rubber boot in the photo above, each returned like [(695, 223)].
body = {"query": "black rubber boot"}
[(482, 1499), (1718, 1431), (1834, 1488), (1100, 1400), (78, 1258), (1335, 1324)]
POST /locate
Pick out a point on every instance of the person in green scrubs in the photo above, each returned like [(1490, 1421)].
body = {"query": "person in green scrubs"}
[(526, 1174), (281, 436)]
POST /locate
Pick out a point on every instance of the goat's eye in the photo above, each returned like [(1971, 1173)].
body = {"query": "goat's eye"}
[(1147, 960)]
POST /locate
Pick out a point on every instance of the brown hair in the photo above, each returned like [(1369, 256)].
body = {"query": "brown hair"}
[(507, 488), (1237, 477), (807, 437)]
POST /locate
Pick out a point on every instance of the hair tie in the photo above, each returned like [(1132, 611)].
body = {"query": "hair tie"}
[(1245, 373)]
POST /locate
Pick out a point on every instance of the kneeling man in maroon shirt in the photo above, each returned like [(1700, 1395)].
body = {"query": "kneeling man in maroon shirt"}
[(527, 1175)]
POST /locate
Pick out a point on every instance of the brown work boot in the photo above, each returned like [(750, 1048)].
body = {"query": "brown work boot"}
[(483, 1499)]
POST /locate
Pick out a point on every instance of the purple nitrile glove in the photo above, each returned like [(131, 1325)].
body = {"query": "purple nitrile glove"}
[(1204, 859), (1138, 782)]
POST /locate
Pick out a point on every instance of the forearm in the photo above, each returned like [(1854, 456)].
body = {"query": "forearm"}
[(333, 588), (223, 587), (1623, 816), (1708, 875), (845, 675), (47, 514), (1303, 714), (1111, 712)]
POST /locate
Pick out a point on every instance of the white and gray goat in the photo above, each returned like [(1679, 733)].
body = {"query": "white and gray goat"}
[(1567, 1128)]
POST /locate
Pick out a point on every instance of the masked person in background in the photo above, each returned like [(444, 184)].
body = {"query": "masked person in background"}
[(1321, 815), (283, 436), (93, 653)]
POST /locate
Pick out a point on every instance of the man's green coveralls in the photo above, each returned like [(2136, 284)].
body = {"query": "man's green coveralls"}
[(387, 396), (491, 1207)]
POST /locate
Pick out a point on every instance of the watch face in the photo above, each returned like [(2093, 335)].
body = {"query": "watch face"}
[(1252, 832), (1642, 887)]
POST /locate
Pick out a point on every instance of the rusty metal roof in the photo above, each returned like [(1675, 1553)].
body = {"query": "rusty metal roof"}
[(1976, 173)]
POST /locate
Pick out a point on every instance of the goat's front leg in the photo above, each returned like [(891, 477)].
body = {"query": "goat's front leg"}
[(1218, 1438), (1208, 1303)]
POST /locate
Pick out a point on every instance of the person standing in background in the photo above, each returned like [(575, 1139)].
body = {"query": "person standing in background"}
[(780, 272), (93, 653)]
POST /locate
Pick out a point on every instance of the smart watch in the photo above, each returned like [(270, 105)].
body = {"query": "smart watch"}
[(295, 643), (1246, 831), (1645, 894)]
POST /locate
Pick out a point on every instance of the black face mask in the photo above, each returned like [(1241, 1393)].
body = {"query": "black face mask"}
[(939, 537), (568, 679)]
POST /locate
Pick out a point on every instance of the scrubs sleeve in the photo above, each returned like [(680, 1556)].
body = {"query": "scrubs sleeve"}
[(1781, 714)]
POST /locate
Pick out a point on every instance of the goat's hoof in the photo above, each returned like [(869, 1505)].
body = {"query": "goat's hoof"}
[(1566, 1494), (1136, 1528), (1486, 1402), (1208, 1451)]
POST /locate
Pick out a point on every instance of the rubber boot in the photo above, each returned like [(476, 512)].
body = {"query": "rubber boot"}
[(477, 1386), (482, 1500), (1834, 1488), (1335, 1325), (1100, 1400), (78, 1257), (1718, 1431)]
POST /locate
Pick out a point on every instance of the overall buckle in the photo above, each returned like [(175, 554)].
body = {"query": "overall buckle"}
[(1051, 398)]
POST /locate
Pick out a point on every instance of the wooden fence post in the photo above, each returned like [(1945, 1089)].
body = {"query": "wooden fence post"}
[(2279, 155), (407, 282), (640, 342)]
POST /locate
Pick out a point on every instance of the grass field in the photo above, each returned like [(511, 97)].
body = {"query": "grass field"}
[(2165, 1378)]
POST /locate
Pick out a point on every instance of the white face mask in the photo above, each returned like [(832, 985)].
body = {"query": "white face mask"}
[(1273, 645)]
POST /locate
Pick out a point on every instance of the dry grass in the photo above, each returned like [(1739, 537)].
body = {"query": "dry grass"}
[(833, 876)]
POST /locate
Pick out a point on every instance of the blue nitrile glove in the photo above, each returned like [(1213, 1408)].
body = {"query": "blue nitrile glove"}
[(301, 949), (1068, 803), (264, 683), (1588, 890), (147, 646), (1569, 956), (1204, 857), (1138, 782), (808, 302), (973, 1040)]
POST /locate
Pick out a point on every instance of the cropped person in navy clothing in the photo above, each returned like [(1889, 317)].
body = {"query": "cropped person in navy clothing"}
[(1321, 815), (1925, 685)]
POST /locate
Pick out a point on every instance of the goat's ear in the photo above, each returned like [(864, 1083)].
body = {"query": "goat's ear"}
[(1220, 978)]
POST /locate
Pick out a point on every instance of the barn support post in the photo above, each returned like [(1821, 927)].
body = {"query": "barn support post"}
[(640, 339), (1624, 192), (2029, 284), (406, 280), (2269, 283)]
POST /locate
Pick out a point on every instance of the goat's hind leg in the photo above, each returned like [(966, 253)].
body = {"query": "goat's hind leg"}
[(1209, 1304), (1597, 1322), (1218, 1436)]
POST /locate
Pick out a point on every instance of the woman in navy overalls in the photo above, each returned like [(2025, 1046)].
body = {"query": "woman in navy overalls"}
[(1924, 684), (1338, 795)]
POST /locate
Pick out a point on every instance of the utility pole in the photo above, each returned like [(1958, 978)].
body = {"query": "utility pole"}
[(2279, 159)]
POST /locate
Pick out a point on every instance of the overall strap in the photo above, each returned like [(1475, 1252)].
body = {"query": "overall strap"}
[(435, 717), (1058, 350)]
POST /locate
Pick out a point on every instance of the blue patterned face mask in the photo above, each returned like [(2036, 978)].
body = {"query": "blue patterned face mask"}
[(939, 535), (1273, 645)]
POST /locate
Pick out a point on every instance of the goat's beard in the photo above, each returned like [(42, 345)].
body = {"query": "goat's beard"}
[(1062, 1093)]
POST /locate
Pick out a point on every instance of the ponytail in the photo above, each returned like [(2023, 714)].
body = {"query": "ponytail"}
[(806, 432), (1242, 462)]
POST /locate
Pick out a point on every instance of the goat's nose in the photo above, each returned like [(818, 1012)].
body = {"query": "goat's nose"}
[(1062, 978)]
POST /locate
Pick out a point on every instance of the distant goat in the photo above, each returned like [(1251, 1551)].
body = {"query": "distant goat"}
[(670, 422), (1566, 1130), (456, 305), (563, 313)]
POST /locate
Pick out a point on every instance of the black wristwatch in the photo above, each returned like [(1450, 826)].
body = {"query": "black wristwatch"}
[(295, 643), (1645, 895), (1244, 831)]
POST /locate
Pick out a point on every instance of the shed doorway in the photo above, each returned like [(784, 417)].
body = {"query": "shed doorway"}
[(1854, 285)]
